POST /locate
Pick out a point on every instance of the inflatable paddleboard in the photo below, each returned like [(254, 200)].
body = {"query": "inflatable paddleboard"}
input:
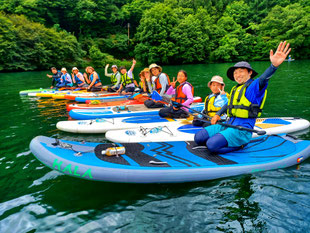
[(103, 125), (185, 131), (25, 92), (120, 111), (112, 102), (47, 94), (166, 162), (90, 94), (103, 98)]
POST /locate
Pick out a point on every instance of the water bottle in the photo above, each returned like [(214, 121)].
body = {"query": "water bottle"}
[(114, 151)]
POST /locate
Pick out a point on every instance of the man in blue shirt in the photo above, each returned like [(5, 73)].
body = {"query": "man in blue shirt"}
[(56, 77), (245, 104)]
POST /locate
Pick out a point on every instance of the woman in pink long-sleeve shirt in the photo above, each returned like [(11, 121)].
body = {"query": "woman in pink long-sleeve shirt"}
[(183, 94)]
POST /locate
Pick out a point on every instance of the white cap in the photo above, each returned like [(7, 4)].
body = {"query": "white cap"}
[(63, 69)]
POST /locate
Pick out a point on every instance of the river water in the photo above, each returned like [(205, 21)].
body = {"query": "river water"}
[(33, 198)]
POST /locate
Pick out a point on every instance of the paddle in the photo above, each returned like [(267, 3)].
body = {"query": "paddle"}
[(258, 132)]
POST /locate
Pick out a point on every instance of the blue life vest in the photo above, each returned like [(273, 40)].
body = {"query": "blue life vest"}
[(92, 77), (58, 77), (77, 80), (66, 79)]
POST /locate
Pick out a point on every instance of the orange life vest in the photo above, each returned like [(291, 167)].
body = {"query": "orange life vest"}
[(158, 85), (180, 97)]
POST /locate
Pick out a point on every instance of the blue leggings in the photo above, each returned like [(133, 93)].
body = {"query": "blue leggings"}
[(215, 144)]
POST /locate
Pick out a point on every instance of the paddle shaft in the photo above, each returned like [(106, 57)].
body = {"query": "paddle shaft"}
[(258, 132)]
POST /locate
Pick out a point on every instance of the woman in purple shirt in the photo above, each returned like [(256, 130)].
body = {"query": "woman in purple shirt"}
[(183, 94)]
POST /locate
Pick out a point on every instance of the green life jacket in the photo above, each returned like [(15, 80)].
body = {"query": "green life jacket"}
[(240, 106), (126, 79), (113, 78)]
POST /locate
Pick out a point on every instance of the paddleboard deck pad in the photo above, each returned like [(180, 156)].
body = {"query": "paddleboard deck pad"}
[(166, 162)]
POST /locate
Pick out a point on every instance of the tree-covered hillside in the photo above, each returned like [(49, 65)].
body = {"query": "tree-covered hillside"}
[(37, 34)]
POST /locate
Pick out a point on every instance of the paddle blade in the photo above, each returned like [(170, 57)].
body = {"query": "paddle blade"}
[(156, 96)]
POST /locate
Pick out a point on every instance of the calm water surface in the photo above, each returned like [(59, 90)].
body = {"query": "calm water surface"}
[(34, 198)]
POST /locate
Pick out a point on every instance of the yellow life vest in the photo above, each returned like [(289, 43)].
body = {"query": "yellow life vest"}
[(113, 78), (126, 79), (240, 106), (210, 109)]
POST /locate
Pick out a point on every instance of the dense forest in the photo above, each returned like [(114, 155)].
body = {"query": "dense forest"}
[(38, 34)]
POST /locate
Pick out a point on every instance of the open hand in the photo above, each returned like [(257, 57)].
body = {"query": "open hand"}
[(280, 55)]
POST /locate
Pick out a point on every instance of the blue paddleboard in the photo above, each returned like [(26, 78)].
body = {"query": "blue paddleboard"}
[(166, 162)]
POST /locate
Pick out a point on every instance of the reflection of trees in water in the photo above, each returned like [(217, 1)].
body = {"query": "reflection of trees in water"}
[(51, 108), (244, 211)]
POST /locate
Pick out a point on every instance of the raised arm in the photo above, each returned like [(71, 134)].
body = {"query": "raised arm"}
[(133, 65), (282, 51), (106, 71)]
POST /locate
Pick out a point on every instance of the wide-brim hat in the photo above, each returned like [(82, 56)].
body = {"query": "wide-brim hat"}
[(217, 79), (155, 66), (241, 64), (144, 70)]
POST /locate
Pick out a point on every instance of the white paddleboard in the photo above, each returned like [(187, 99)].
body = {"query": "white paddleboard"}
[(178, 131)]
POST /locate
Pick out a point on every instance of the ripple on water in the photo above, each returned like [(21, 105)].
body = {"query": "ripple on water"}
[(283, 199)]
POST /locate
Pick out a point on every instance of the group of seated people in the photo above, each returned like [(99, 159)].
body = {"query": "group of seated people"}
[(89, 80), (242, 106)]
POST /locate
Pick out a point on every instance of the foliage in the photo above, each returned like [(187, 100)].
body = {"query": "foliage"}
[(32, 46), (37, 34)]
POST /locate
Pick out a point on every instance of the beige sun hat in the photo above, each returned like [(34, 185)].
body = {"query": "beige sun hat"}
[(155, 66), (75, 68), (144, 70), (217, 79), (63, 69)]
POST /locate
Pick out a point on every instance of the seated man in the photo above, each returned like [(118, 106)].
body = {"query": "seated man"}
[(128, 83), (244, 106), (56, 77)]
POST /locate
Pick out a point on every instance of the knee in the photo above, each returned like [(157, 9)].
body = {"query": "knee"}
[(162, 113), (201, 137), (216, 142), (212, 145), (147, 103)]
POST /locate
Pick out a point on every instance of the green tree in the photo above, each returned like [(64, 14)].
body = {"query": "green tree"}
[(288, 23), (154, 43), (229, 35), (190, 40), (36, 47)]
